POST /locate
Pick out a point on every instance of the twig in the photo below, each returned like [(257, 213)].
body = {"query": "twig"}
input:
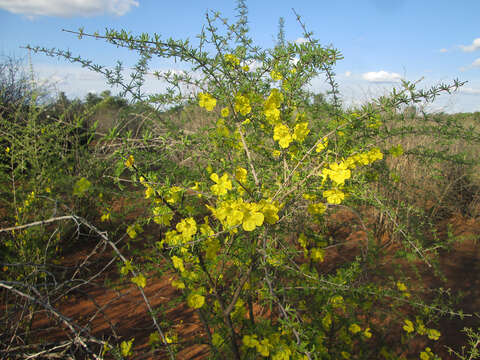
[(64, 319), (250, 162), (37, 223)]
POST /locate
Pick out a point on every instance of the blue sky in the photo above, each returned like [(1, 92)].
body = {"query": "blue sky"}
[(382, 40)]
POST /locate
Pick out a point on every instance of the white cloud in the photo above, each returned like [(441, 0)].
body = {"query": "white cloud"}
[(348, 73), (381, 76), (68, 8), (301, 40), (474, 46), (443, 50), (476, 62), (469, 91), (253, 64), (77, 82)]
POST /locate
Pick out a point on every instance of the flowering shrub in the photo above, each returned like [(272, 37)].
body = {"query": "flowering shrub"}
[(244, 238)]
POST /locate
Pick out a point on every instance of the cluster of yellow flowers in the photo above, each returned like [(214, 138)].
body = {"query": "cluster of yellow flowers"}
[(322, 145), (301, 131), (421, 329), (207, 101), (232, 213), (242, 104), (272, 105), (365, 158), (232, 60), (222, 184), (282, 134), (272, 346), (276, 75), (133, 230), (427, 354), (403, 288), (338, 173), (130, 161)]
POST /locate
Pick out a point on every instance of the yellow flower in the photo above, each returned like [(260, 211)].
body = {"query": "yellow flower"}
[(337, 301), (129, 162), (132, 230), (322, 145), (354, 328), (178, 284), (250, 340), (241, 175), (126, 268), (273, 102), (334, 196), (242, 105), (126, 347), (140, 280), (178, 263), (275, 75), (408, 327), (168, 339), (338, 173), (207, 101), (327, 322), (252, 217), (367, 333), (301, 131), (433, 334), (149, 192), (188, 228), (427, 354), (316, 254), (401, 286), (374, 154), (225, 112), (232, 60), (270, 211), (263, 347), (281, 133), (7, 149), (105, 217), (245, 68), (222, 185), (229, 213), (195, 300)]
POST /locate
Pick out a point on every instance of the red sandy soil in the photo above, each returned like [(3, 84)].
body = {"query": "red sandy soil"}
[(123, 311)]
